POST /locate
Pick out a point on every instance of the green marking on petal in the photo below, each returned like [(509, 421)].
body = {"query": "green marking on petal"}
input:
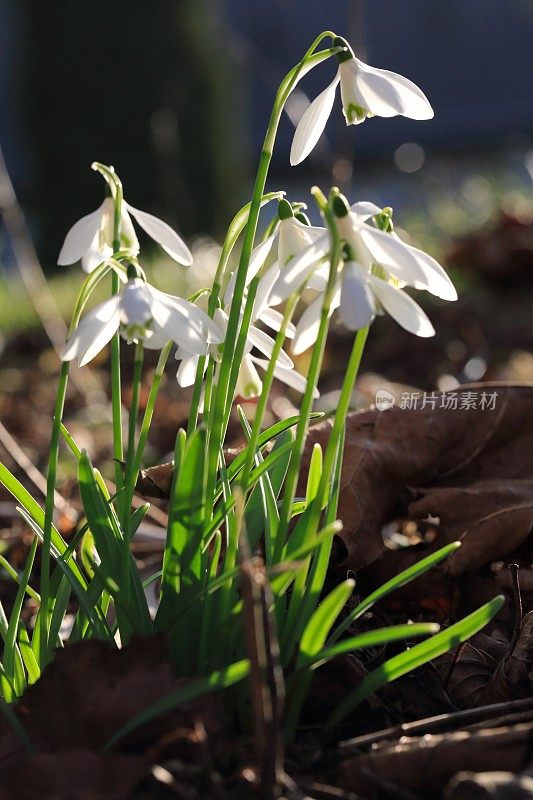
[(354, 113)]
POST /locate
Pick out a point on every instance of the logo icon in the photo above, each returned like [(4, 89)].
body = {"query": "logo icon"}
[(384, 400)]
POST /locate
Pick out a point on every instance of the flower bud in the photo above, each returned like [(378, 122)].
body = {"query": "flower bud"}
[(347, 53), (341, 207), (285, 209), (134, 271), (303, 218)]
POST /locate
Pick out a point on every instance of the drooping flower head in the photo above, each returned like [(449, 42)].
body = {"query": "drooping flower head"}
[(91, 238), (365, 92), (376, 267), (248, 383), (293, 233), (142, 313)]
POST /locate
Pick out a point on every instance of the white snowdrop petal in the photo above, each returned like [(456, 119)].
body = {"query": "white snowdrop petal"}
[(128, 237), (158, 338), (104, 335), (135, 305), (80, 237), (357, 307), (186, 373), (388, 93), (273, 319), (307, 327), (378, 94), (438, 282), (95, 254), (211, 330), (288, 376), (294, 237), (265, 344), (402, 308), (365, 209), (90, 325), (264, 289), (181, 326), (312, 123), (257, 259), (415, 103), (390, 252), (248, 381), (163, 234), (298, 270), (319, 279)]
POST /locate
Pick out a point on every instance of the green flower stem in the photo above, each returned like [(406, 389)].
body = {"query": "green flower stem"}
[(267, 384), (116, 389), (223, 389), (132, 426), (315, 580), (315, 365), (49, 512), (148, 415), (196, 395)]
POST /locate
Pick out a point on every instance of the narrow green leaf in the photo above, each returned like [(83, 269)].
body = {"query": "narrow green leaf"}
[(12, 658), (373, 638), (420, 654), (265, 437), (182, 562), (319, 625), (315, 473), (404, 577)]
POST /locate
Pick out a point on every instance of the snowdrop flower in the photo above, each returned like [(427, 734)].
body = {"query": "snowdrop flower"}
[(292, 236), (365, 92), (91, 238), (379, 264), (145, 314), (248, 382)]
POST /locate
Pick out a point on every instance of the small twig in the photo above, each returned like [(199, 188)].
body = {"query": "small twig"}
[(437, 724), (517, 601)]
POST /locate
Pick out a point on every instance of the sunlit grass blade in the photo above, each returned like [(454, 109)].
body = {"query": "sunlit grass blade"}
[(262, 513), (12, 658), (221, 679), (420, 654), (373, 638), (27, 654), (264, 438), (74, 576), (208, 609), (184, 559), (404, 577), (61, 601), (117, 566), (300, 681), (318, 627), (314, 474)]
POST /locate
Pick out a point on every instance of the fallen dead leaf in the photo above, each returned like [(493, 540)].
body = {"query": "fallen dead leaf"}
[(470, 468), (487, 670)]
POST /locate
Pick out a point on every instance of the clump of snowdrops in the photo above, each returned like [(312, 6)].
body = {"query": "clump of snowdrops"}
[(209, 587)]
